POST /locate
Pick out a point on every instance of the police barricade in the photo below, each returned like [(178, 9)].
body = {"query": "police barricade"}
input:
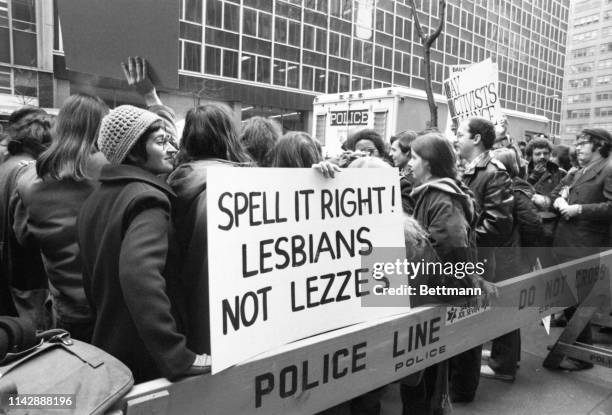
[(319, 372)]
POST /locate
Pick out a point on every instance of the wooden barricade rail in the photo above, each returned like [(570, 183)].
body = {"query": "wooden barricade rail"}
[(319, 372)]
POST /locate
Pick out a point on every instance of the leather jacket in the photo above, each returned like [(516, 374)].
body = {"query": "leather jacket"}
[(492, 189)]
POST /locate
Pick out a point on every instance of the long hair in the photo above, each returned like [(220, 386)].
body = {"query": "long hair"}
[(258, 136), (210, 132), (74, 138), (295, 149), (437, 150)]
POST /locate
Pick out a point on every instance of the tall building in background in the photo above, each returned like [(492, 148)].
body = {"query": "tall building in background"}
[(272, 57), (587, 91), (26, 61)]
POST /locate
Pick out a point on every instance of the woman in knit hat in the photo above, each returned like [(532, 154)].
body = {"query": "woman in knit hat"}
[(50, 194), (125, 239)]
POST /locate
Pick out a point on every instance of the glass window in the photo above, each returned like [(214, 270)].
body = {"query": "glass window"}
[(344, 83), (345, 49), (212, 60), (378, 56), (357, 45), (293, 75), (265, 25), (214, 13), (5, 80), (193, 10), (280, 30), (263, 69), (332, 85), (307, 78), (192, 55), (367, 53), (26, 83), (321, 42), (334, 43), (249, 22), (319, 80), (248, 67), (24, 10), (230, 64), (294, 33), (309, 37), (280, 68), (26, 44)]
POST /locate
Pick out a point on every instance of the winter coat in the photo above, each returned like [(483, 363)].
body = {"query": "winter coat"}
[(188, 181), (446, 210), (518, 255), (20, 266), (406, 186), (45, 213), (125, 237), (593, 190), (545, 182), (491, 186)]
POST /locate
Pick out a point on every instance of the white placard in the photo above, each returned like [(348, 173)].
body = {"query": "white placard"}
[(474, 92), (285, 251)]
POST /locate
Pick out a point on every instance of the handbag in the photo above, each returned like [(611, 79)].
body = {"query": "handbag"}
[(88, 379)]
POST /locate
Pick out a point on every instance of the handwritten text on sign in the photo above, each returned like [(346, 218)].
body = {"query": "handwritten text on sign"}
[(473, 92), (285, 248)]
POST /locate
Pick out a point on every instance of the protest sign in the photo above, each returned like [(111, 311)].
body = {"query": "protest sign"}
[(474, 92), (99, 35), (288, 254)]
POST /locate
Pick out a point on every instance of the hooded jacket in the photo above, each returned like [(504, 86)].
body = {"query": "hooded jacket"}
[(445, 208), (125, 237), (189, 181)]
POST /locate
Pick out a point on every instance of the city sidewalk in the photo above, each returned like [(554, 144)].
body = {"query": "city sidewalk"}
[(536, 390)]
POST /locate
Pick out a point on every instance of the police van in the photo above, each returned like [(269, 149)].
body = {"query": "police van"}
[(389, 111)]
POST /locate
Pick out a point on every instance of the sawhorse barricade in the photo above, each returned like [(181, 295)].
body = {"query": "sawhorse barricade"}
[(313, 374), (593, 307)]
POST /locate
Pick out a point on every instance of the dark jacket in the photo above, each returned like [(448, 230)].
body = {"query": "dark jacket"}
[(593, 190), (544, 183), (45, 213), (189, 214), (446, 211), (518, 255), (406, 186), (124, 234), (20, 266), (491, 186)]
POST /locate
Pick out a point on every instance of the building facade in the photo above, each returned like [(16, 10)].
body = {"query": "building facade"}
[(26, 61), (272, 57), (588, 84)]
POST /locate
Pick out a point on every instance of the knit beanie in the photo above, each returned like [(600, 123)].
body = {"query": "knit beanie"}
[(120, 130)]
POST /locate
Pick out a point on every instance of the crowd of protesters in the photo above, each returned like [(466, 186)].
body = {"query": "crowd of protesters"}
[(103, 222)]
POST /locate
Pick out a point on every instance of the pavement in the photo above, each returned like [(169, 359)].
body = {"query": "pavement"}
[(536, 391)]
